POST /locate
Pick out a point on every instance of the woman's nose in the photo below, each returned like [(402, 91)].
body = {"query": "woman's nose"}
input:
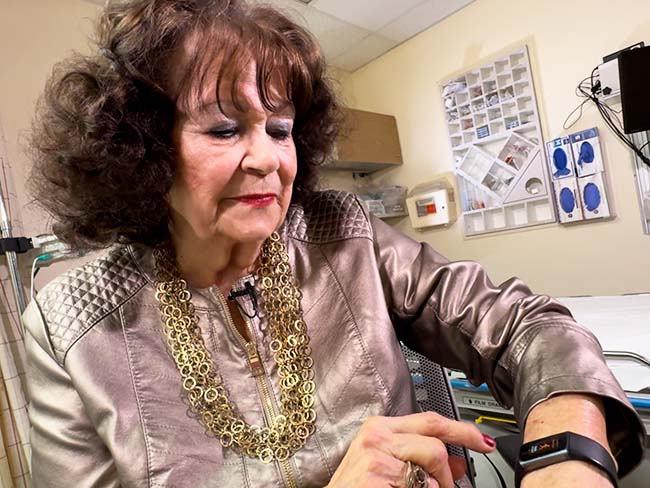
[(261, 156)]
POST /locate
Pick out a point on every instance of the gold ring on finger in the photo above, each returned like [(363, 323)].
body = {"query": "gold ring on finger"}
[(416, 476)]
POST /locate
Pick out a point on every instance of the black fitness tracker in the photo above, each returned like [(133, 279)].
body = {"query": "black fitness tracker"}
[(566, 446)]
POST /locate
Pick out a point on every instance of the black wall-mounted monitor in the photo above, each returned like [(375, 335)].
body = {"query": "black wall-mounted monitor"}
[(634, 74)]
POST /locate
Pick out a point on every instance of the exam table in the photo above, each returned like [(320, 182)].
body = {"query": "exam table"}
[(622, 325)]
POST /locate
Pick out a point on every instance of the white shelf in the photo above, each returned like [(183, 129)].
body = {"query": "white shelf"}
[(498, 137), (391, 215), (508, 217)]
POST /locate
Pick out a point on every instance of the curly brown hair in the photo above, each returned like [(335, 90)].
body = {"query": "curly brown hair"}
[(102, 137)]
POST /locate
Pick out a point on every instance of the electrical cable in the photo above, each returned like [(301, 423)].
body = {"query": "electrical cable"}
[(41, 257), (609, 115), (33, 277), (502, 482), (579, 107), (248, 290)]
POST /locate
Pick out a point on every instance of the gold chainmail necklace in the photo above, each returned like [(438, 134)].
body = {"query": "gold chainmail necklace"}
[(290, 346)]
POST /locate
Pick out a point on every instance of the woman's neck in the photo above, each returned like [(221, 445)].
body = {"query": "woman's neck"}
[(217, 262)]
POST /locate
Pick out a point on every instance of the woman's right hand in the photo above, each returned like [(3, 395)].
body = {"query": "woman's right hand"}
[(378, 455)]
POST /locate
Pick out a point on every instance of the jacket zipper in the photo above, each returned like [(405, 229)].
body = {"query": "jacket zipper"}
[(258, 372)]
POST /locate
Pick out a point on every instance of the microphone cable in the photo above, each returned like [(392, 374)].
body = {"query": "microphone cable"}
[(248, 290)]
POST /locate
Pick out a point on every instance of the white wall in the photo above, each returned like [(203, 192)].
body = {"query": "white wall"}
[(566, 40)]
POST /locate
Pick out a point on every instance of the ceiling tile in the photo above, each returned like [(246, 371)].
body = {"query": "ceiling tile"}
[(334, 35), (354, 32), (369, 14), (363, 52), (293, 8), (420, 18)]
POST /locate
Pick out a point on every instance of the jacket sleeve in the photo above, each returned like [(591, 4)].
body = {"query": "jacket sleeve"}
[(66, 449), (526, 347)]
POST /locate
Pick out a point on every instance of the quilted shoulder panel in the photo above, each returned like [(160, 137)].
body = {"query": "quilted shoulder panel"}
[(329, 216), (75, 301)]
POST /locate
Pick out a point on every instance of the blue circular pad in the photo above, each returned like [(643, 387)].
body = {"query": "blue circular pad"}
[(559, 158), (587, 153), (560, 161), (591, 195), (567, 200)]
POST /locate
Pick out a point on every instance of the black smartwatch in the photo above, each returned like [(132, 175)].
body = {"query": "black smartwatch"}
[(563, 447)]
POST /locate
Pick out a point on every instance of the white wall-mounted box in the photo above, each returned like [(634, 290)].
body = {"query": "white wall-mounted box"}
[(437, 207)]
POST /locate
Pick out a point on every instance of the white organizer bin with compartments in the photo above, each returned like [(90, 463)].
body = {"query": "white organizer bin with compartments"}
[(384, 202), (496, 141)]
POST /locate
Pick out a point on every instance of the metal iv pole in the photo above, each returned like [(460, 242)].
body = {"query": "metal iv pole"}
[(12, 261)]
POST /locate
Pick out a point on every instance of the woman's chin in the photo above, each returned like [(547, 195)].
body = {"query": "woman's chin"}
[(255, 228), (252, 235), (252, 232)]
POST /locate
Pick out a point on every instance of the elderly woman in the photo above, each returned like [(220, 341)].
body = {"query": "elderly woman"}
[(242, 328)]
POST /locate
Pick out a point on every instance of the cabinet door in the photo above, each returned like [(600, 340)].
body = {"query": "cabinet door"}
[(368, 141)]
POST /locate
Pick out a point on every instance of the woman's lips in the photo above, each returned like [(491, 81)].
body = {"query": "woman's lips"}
[(258, 199)]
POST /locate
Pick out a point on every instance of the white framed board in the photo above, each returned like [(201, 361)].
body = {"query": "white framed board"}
[(497, 146)]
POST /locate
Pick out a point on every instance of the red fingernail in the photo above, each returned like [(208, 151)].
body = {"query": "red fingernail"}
[(489, 441)]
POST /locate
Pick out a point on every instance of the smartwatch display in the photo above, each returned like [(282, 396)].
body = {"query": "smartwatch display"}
[(563, 447)]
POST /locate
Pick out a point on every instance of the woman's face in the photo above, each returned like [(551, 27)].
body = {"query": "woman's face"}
[(235, 168)]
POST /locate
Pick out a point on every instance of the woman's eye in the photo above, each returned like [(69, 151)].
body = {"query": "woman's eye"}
[(279, 133), (223, 132)]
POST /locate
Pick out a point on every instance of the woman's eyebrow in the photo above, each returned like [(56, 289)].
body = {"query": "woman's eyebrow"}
[(284, 107), (209, 106)]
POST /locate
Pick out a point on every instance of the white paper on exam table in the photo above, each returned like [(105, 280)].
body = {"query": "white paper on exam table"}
[(621, 323)]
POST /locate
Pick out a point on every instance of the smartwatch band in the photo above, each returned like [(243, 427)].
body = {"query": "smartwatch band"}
[(567, 446)]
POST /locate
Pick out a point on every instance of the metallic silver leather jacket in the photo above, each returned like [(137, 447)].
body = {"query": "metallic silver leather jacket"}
[(107, 406)]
